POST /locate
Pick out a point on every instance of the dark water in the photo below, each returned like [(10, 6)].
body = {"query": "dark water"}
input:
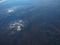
[(42, 19)]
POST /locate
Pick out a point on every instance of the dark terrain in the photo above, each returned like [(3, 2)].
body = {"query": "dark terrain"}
[(43, 22)]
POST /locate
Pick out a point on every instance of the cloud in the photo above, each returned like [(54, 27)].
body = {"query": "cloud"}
[(17, 25), (12, 9)]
